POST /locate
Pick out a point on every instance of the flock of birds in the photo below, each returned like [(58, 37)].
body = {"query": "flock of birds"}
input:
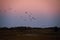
[(29, 14)]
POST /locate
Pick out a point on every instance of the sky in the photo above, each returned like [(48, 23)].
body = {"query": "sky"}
[(34, 13)]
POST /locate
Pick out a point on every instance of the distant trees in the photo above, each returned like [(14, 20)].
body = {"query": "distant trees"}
[(56, 28), (4, 28)]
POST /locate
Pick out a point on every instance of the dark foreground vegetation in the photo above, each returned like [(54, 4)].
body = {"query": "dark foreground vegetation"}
[(28, 33)]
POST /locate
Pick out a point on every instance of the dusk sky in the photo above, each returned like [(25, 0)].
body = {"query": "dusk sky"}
[(34, 13)]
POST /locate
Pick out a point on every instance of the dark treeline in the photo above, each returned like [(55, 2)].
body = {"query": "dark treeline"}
[(29, 28)]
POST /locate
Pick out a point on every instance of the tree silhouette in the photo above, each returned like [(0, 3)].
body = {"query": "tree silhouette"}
[(55, 28)]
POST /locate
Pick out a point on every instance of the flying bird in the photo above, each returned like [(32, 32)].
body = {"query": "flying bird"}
[(26, 12), (33, 18)]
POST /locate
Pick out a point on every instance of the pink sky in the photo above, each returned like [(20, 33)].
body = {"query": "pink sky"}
[(38, 8), (33, 5)]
